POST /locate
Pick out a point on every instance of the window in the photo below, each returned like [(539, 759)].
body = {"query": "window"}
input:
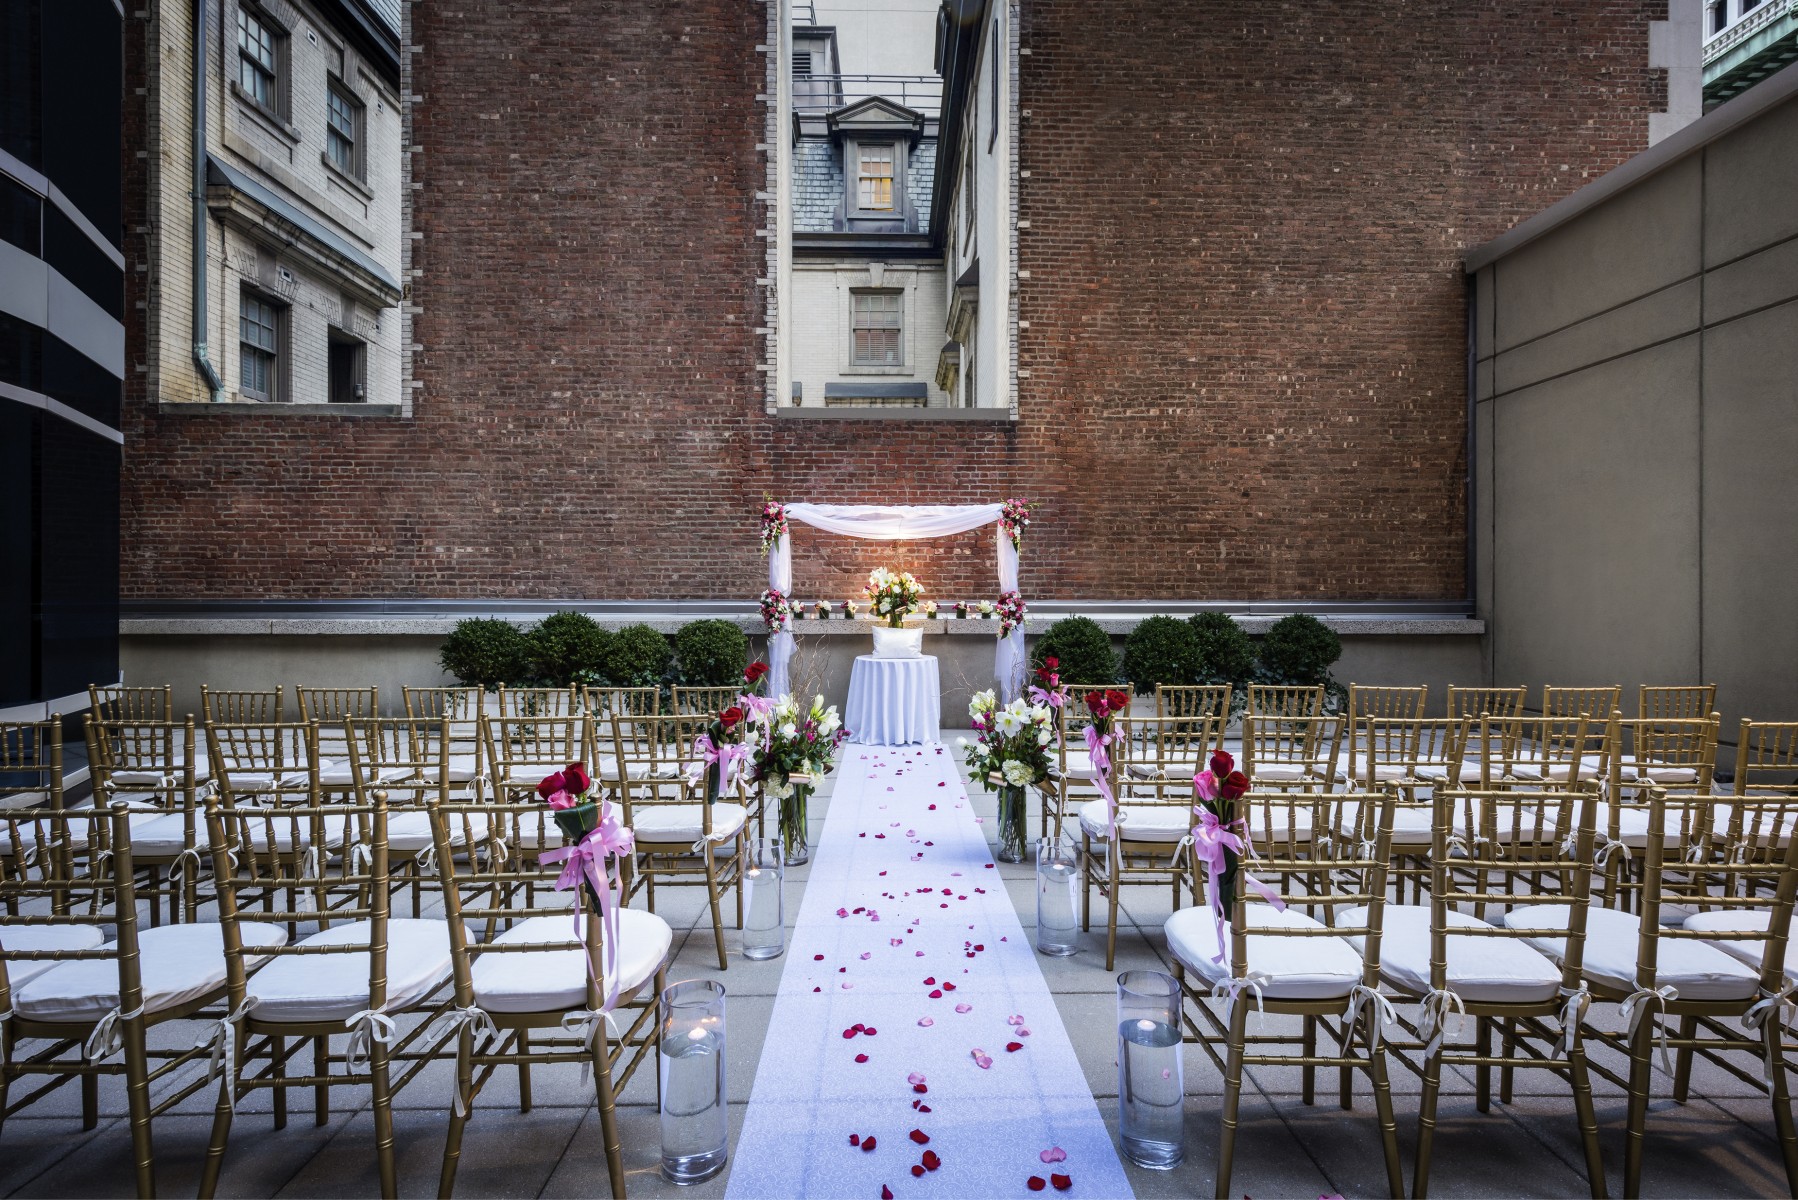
[(345, 368), (259, 338), (1719, 16), (343, 129), (875, 329), (258, 59), (970, 191), (874, 177)]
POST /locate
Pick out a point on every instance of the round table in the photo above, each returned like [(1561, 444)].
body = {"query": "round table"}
[(893, 701)]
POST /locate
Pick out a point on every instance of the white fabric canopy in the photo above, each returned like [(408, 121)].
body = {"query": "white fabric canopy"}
[(894, 523)]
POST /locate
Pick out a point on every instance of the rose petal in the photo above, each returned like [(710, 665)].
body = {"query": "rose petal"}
[(916, 1077), (936, 993), (1036, 1183), (922, 1107), (1013, 1047), (1062, 1182), (963, 1008), (1054, 1154), (867, 954), (870, 1031), (861, 1058), (886, 1193), (855, 1139), (917, 1171), (931, 1161), (981, 1059), (920, 1137), (867, 1143), (926, 1022)]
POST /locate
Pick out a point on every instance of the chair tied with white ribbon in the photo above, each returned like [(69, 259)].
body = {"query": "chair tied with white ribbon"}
[(1440, 1007), (107, 1039), (221, 1039), (362, 859), (1573, 1012), (1764, 1013), (1379, 1013), (1234, 987), (584, 1025), (475, 1019), (427, 861), (188, 860), (711, 839), (1636, 1006), (366, 1028)]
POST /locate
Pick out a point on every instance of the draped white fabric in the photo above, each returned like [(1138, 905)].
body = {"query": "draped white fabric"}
[(893, 523)]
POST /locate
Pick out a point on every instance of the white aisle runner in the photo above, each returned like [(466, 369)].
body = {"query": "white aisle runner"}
[(907, 933)]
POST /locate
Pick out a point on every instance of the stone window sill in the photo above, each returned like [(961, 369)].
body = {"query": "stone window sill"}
[(339, 175), (364, 410), (852, 369), (264, 116)]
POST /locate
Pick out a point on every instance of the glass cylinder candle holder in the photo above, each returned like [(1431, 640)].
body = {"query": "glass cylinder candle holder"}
[(764, 910), (1057, 898), (793, 829), (695, 1121), (1151, 1082), (1013, 818)]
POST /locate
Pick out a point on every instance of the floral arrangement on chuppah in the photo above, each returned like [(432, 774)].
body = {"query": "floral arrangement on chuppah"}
[(774, 524), (1011, 749), (777, 610), (795, 748), (1011, 612), (1013, 517), (893, 595)]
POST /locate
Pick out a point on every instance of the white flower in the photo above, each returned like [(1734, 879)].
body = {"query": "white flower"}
[(1016, 773), (789, 730), (1042, 737), (1008, 723), (983, 702), (962, 742), (779, 790)]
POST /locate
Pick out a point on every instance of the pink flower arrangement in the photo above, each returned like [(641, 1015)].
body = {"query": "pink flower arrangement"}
[(1013, 517), (774, 524), (777, 610), (1011, 612)]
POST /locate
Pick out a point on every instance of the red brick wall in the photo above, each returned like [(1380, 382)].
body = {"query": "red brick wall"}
[(1245, 342)]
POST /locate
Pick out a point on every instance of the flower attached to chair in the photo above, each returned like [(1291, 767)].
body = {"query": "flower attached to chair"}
[(1107, 703), (753, 673), (1048, 688), (1220, 838), (567, 791)]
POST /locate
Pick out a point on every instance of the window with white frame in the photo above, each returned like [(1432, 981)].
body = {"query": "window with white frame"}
[(876, 176), (343, 129), (877, 329), (259, 347), (259, 52)]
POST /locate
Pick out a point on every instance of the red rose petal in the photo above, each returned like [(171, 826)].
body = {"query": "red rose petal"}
[(870, 1031), (848, 1033), (920, 1088), (817, 958), (936, 993), (947, 986), (931, 1161), (916, 1171), (886, 1193), (861, 1058), (867, 1143), (980, 947), (1062, 1182), (930, 981), (923, 1108), (920, 1137), (1036, 1183), (855, 1139), (1013, 1047)]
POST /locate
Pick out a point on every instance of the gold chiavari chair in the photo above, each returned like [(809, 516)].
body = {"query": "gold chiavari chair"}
[(1154, 819), (408, 760), (1414, 755), (329, 708), (224, 706), (1572, 701), (1382, 703), (1172, 747), (1680, 702), (1502, 708), (1657, 972), (538, 702), (1195, 700), (149, 767), (461, 707), (1296, 962), (1290, 753), (1502, 974), (703, 701), (1556, 749), (1766, 766), (523, 750), (116, 702), (351, 978), (1070, 768), (63, 981), (627, 701), (1669, 752), (682, 838), (1283, 700), (31, 774), (533, 974), (268, 767)]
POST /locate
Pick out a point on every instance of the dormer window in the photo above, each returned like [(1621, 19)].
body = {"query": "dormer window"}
[(874, 176)]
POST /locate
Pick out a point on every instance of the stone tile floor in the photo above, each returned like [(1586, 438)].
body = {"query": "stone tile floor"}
[(1721, 1143)]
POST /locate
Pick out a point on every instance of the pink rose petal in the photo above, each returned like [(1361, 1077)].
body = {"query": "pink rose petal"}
[(927, 1022), (982, 1059), (1054, 1154), (916, 1077), (964, 1008)]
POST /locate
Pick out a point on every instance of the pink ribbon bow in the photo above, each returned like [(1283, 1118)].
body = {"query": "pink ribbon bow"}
[(1211, 838), (1095, 749), (589, 858), (731, 758)]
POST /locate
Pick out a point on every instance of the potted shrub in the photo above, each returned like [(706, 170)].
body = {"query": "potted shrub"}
[(485, 652), (1299, 651), (1160, 650), (711, 653), (568, 648), (1223, 653), (1084, 651), (637, 656)]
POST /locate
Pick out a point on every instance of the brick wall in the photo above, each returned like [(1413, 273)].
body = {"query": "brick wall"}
[(1245, 337)]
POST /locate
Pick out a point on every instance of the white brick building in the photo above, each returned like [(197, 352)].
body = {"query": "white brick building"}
[(302, 178)]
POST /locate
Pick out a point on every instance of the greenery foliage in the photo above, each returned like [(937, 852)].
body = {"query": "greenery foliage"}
[(1083, 649), (486, 652), (1225, 653), (1160, 650), (569, 648), (638, 656), (711, 653), (1299, 650)]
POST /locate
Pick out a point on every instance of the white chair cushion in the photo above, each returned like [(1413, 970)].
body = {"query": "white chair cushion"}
[(556, 980), (1486, 970), (40, 833), (19, 972), (1739, 921), (662, 823), (1356, 769), (1300, 968), (1284, 772), (334, 987), (1141, 823), (463, 767), (1699, 971), (409, 831), (164, 835), (178, 963)]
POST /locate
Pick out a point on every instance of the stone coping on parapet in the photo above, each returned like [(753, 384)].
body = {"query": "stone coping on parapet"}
[(1393, 625)]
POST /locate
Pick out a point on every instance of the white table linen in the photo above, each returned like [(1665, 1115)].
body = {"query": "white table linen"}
[(893, 701)]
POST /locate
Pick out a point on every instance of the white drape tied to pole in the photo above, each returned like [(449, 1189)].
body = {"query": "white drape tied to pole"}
[(894, 523)]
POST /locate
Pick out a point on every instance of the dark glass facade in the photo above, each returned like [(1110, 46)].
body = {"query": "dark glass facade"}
[(61, 89)]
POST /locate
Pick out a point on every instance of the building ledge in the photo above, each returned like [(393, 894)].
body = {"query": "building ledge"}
[(845, 412), (204, 408)]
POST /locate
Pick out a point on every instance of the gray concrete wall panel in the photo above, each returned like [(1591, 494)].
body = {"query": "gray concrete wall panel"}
[(1759, 280), (1751, 187), (1658, 317)]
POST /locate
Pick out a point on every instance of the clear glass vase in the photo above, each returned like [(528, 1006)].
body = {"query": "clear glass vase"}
[(695, 1116), (1151, 1081), (1057, 898), (764, 908), (792, 825), (1012, 820)]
